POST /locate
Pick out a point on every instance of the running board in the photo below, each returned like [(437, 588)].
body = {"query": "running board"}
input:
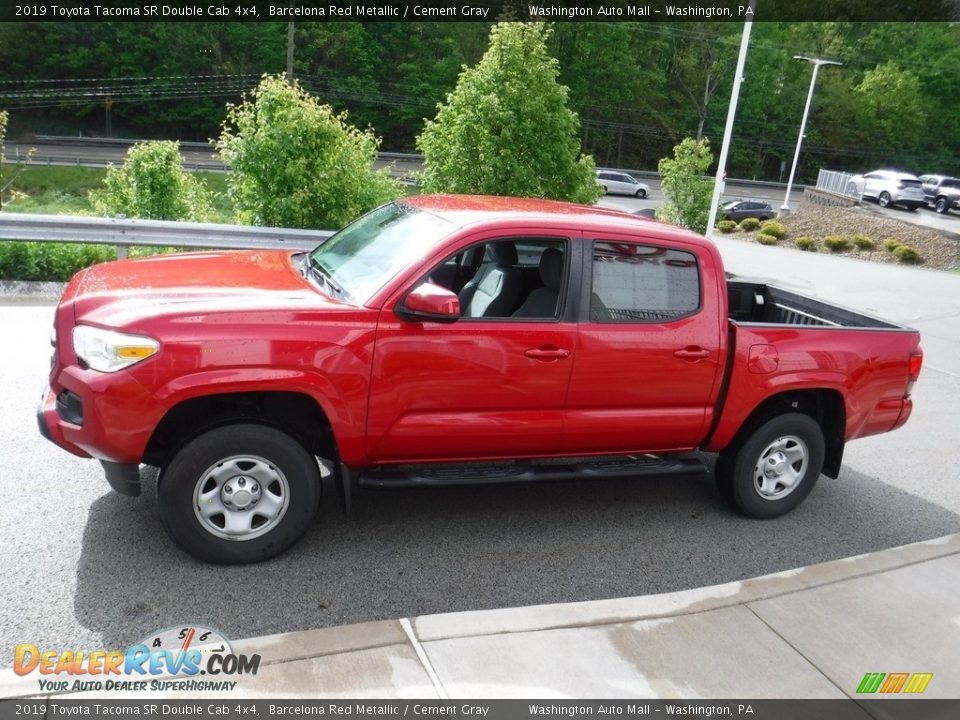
[(434, 475)]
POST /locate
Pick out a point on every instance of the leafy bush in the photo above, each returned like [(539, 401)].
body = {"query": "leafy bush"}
[(152, 184), (749, 224), (726, 226), (863, 242), (806, 243), (298, 164), (506, 128), (774, 227), (836, 243), (49, 261), (765, 239), (891, 244), (688, 193), (907, 254)]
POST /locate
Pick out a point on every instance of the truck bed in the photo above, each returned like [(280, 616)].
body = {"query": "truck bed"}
[(757, 302)]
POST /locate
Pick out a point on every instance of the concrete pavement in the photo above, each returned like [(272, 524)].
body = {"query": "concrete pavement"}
[(812, 632)]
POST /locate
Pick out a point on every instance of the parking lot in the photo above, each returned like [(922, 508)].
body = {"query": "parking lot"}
[(82, 567)]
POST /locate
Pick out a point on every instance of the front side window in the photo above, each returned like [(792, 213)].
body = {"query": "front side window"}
[(642, 283)]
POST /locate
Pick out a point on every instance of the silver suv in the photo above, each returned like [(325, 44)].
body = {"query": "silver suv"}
[(941, 192), (888, 187)]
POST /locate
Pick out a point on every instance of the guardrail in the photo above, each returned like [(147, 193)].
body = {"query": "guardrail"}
[(124, 232)]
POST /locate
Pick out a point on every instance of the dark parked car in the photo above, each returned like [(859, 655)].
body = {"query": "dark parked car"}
[(737, 210)]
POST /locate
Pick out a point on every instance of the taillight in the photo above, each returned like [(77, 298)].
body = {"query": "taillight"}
[(916, 362)]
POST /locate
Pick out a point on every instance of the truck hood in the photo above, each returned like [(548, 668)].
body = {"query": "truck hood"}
[(118, 294)]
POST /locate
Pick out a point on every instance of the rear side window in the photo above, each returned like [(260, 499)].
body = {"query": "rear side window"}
[(642, 283)]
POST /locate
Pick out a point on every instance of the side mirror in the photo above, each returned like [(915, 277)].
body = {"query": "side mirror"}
[(430, 303)]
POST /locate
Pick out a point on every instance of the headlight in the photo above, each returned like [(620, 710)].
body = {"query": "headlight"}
[(109, 351)]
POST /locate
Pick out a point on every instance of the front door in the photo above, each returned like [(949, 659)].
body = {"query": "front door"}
[(482, 387)]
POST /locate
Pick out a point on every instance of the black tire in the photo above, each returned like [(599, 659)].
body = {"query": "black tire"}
[(736, 469), (292, 479), (941, 206), (641, 193), (884, 199), (604, 188)]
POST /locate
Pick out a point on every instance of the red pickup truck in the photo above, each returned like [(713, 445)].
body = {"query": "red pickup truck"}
[(450, 340)]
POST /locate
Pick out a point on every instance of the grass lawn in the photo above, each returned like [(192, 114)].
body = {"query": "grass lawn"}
[(64, 190)]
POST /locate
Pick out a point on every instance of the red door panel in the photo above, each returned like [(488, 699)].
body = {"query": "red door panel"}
[(643, 382)]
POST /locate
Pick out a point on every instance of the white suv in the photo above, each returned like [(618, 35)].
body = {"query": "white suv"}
[(888, 187), (621, 183)]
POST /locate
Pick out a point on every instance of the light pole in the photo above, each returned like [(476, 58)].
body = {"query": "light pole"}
[(817, 62), (720, 180)]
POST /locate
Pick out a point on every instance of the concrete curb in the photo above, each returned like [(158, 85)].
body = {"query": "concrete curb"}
[(26, 291)]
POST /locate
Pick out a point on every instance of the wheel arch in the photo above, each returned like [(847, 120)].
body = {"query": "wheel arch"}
[(294, 413), (824, 405)]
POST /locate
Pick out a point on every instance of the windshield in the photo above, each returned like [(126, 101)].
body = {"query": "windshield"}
[(365, 255)]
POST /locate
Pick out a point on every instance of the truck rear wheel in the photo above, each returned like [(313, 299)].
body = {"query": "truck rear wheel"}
[(775, 468), (239, 494)]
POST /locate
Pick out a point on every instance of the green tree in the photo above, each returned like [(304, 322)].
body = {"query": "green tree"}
[(152, 184), (688, 192), (506, 128), (891, 107), (296, 163)]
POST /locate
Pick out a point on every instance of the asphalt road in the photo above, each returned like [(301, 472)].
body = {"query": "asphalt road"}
[(96, 154), (82, 567)]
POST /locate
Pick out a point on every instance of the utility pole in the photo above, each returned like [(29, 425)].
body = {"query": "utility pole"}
[(817, 62), (720, 180), (290, 49)]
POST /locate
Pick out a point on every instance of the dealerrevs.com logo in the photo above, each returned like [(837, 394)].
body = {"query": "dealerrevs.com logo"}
[(172, 659)]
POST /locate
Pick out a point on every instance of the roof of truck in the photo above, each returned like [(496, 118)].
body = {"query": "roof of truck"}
[(491, 209)]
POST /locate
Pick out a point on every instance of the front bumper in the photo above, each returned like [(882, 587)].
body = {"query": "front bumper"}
[(122, 477)]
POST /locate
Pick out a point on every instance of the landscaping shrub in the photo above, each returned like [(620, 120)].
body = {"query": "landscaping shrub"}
[(863, 242), (49, 261), (907, 254), (891, 244), (152, 184), (774, 227), (836, 243), (806, 243), (749, 224), (765, 239), (726, 226)]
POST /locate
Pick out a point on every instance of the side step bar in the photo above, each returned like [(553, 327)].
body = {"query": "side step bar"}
[(536, 471)]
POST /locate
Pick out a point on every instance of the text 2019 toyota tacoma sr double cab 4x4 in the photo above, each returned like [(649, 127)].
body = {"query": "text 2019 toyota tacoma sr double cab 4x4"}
[(450, 340)]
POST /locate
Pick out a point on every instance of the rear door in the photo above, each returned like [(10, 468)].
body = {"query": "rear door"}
[(648, 360)]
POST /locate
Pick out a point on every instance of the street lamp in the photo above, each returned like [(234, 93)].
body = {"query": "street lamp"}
[(817, 62)]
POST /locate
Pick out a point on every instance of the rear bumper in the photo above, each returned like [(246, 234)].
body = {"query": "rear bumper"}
[(904, 413)]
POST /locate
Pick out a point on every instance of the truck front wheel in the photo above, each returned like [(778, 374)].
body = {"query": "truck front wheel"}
[(775, 468), (239, 494)]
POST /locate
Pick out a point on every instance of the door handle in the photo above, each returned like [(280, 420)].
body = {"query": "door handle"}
[(547, 354), (692, 353)]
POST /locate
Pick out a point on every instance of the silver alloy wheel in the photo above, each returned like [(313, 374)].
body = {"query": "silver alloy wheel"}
[(781, 467), (241, 497), (884, 200)]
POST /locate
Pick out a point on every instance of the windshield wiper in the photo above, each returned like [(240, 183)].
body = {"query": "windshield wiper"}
[(323, 276)]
